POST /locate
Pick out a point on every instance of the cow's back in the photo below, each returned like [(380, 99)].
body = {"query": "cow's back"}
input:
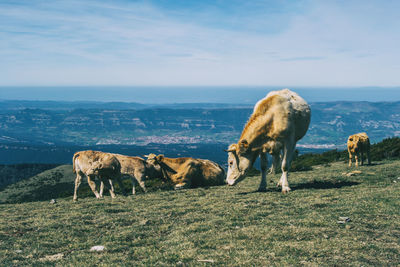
[(364, 141), (301, 111), (359, 140), (211, 172), (130, 164), (287, 111), (84, 161)]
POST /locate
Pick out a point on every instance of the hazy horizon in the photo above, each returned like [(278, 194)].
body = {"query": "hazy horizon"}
[(192, 94)]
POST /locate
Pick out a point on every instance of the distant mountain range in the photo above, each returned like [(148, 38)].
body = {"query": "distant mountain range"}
[(50, 123)]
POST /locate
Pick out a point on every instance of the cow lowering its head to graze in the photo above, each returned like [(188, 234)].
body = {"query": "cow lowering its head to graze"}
[(93, 164), (277, 123), (358, 144), (188, 172)]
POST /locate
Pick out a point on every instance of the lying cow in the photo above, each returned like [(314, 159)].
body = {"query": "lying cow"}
[(188, 172), (358, 144), (137, 169), (93, 164)]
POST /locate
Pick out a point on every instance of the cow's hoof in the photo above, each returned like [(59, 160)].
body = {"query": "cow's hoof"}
[(285, 189), (179, 187), (75, 200), (262, 189)]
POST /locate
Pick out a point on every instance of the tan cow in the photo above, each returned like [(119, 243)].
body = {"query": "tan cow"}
[(137, 169), (358, 144), (188, 172), (277, 123), (93, 164)]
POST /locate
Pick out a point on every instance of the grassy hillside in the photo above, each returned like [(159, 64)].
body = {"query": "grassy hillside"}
[(59, 182), (15, 172), (218, 225), (388, 148)]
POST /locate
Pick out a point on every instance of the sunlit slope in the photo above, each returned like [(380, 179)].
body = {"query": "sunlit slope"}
[(221, 225)]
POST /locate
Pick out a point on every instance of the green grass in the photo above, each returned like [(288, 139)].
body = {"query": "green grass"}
[(224, 225)]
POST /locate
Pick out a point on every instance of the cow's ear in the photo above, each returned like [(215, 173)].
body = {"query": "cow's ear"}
[(160, 157), (243, 145), (231, 148)]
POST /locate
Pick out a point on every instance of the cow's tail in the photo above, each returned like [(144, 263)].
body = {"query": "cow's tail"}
[(73, 161)]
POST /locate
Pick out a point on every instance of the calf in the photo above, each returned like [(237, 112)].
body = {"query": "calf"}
[(137, 169), (358, 144), (95, 163)]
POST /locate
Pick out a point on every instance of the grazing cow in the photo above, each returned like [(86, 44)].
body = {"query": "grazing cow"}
[(93, 164), (188, 172), (358, 144), (137, 169), (277, 123)]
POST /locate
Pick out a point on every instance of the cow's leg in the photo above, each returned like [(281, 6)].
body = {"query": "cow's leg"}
[(108, 184), (133, 184), (264, 163), (121, 186), (287, 159), (78, 181), (368, 156), (101, 188), (182, 182), (356, 157), (362, 157), (276, 158), (182, 185), (111, 185), (140, 181), (142, 185), (141, 177), (350, 158), (92, 185), (187, 175)]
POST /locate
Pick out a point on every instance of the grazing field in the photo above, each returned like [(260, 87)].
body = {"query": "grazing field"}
[(218, 225)]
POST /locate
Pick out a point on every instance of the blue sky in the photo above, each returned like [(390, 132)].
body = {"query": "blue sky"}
[(182, 42)]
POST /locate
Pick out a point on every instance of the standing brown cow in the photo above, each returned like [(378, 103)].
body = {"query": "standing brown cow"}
[(358, 144), (137, 169), (95, 163), (278, 122)]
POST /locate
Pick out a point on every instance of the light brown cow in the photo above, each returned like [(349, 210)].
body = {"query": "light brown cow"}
[(188, 172), (277, 123), (137, 169), (358, 144), (93, 164)]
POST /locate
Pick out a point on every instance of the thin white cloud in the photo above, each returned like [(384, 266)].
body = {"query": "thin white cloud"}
[(138, 43)]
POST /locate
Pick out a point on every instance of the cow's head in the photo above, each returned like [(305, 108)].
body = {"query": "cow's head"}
[(94, 168), (155, 161), (353, 143), (240, 159)]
